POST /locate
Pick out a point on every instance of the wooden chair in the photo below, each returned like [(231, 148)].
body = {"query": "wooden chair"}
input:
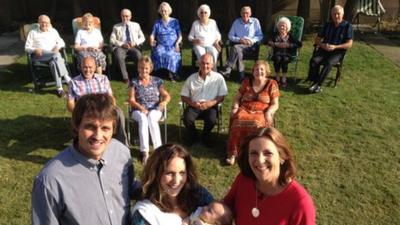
[(297, 27), (39, 72)]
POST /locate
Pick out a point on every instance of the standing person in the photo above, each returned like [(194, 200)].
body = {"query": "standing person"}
[(205, 34), (202, 92), (90, 181), (90, 42), (284, 46), (45, 43), (125, 39), (165, 39), (148, 98), (245, 35), (170, 189), (332, 42), (254, 106), (89, 82), (266, 192)]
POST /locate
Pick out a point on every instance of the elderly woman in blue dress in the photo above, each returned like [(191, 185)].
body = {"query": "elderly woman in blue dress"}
[(165, 39), (90, 42), (204, 34), (148, 98)]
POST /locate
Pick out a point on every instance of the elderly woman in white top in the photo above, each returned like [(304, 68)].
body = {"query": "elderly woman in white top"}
[(90, 42), (204, 34)]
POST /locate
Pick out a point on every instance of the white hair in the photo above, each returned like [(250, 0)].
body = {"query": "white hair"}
[(205, 8), (167, 6), (337, 8), (286, 21)]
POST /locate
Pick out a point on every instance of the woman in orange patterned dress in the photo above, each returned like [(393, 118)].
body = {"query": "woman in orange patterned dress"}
[(253, 107)]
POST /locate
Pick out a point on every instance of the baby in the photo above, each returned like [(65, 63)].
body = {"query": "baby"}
[(216, 213)]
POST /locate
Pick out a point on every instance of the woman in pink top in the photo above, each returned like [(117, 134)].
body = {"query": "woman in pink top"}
[(265, 192)]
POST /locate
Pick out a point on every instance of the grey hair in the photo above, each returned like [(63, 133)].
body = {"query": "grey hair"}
[(338, 8), (286, 21), (166, 5), (204, 7)]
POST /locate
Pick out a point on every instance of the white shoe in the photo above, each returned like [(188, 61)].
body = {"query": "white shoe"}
[(313, 87)]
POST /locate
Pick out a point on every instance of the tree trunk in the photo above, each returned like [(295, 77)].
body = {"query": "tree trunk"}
[(303, 10)]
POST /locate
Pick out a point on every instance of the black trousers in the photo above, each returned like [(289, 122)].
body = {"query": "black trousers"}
[(210, 119), (325, 59)]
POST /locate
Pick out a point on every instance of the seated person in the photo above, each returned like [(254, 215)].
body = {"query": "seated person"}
[(45, 43), (215, 213), (204, 34), (125, 39), (332, 42), (89, 42), (89, 82), (284, 46), (165, 39), (202, 92), (245, 35), (170, 190), (148, 98), (253, 107)]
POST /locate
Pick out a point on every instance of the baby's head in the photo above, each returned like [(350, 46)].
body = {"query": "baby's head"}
[(216, 213)]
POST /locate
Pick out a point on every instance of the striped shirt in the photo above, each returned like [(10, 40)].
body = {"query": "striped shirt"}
[(80, 86), (336, 35)]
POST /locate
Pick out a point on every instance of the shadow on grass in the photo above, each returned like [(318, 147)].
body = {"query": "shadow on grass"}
[(198, 150), (21, 137)]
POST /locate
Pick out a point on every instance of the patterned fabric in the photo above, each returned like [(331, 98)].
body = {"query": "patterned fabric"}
[(164, 55), (251, 112), (148, 96), (91, 39), (293, 45), (80, 86), (336, 35)]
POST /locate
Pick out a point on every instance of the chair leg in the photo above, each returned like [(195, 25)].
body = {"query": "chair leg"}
[(338, 74)]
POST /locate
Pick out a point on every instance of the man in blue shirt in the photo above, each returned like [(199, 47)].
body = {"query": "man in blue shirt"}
[(89, 182), (245, 35), (332, 42)]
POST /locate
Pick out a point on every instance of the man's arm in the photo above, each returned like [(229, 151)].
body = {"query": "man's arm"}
[(232, 33), (70, 105), (114, 42), (141, 37), (258, 35), (29, 42), (45, 208)]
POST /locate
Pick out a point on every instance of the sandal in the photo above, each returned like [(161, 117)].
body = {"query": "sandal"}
[(231, 160)]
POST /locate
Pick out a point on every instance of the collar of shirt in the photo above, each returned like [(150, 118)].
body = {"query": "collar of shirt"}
[(251, 20), (95, 76), (200, 78), (85, 161)]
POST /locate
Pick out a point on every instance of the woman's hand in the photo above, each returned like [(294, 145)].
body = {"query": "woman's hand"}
[(234, 111), (177, 48), (217, 46), (269, 117), (161, 106)]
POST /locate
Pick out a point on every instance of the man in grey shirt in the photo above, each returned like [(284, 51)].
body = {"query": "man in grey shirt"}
[(90, 181)]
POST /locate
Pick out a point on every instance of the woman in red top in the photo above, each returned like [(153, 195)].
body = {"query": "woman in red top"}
[(253, 107), (265, 192)]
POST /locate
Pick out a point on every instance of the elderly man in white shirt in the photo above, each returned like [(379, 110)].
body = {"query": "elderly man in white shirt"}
[(202, 92), (125, 39), (44, 43)]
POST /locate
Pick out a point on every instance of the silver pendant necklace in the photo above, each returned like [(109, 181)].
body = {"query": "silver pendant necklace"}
[(255, 211)]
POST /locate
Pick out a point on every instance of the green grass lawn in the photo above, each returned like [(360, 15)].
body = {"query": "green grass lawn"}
[(345, 139)]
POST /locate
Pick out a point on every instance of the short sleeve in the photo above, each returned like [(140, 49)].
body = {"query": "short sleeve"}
[(177, 27), (78, 37), (244, 86), (154, 29), (274, 89)]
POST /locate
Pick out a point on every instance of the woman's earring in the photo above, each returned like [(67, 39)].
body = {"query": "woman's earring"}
[(282, 162)]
